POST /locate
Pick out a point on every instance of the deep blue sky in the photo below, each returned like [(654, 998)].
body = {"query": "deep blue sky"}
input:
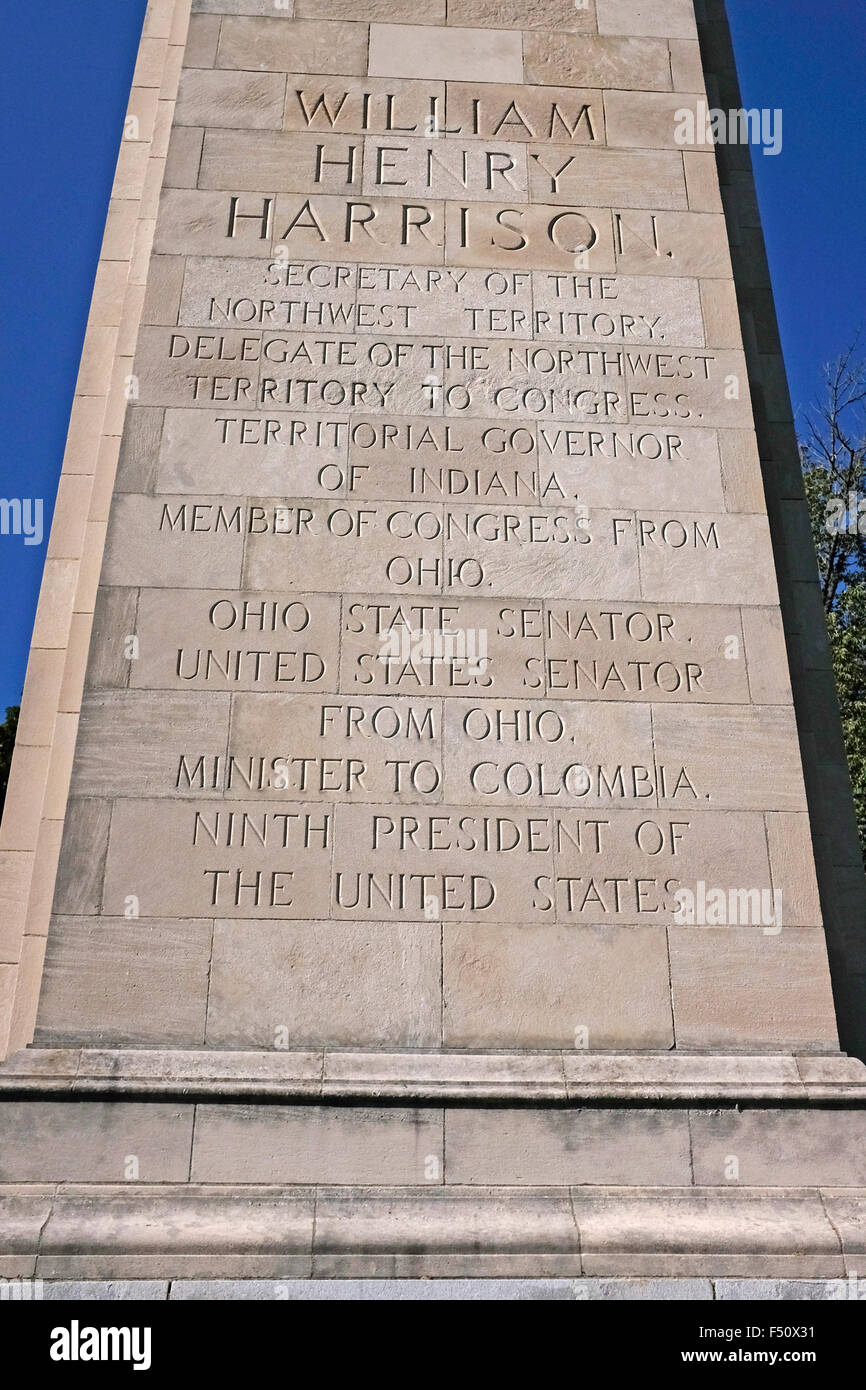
[(65, 70), (809, 59), (65, 73)]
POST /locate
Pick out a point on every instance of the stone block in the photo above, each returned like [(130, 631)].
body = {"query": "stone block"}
[(741, 987), (105, 1291), (123, 981), (63, 1142), (251, 1144), (335, 984), (115, 1232), (641, 65), (236, 100), (561, 15), (787, 1148), (78, 890), (556, 986), (766, 753), (568, 1147), (202, 39), (405, 50), (673, 19), (156, 541), (644, 178), (24, 1211), (291, 45), (743, 1233)]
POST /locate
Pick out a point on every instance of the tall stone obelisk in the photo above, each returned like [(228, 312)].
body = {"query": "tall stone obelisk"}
[(457, 737)]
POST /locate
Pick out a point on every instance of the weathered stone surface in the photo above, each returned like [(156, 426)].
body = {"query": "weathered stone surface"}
[(444, 1075), (675, 18), (264, 1234), (375, 985), (790, 845), (437, 664), (241, 7), (675, 243), (598, 987), (602, 62), (105, 1291), (524, 14), (847, 1211), (394, 10), (781, 1290), (132, 742), (114, 1232), (131, 556), (623, 178), (291, 45), (370, 1290), (119, 980), (579, 1076), (648, 120), (240, 863), (748, 1232), (78, 891), (24, 1211), (766, 753), (780, 1148), (238, 100), (517, 1147), (15, 880), (769, 677), (63, 1143), (402, 50), (249, 1145), (207, 640), (427, 1290), (365, 1232), (722, 979), (202, 39)]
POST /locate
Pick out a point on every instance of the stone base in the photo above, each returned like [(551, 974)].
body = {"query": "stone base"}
[(435, 1290), (332, 1075), (191, 1231), (125, 1165)]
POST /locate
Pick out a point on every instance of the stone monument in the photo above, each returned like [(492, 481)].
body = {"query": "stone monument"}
[(446, 864)]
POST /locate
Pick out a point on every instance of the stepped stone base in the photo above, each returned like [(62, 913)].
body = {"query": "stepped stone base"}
[(134, 1165)]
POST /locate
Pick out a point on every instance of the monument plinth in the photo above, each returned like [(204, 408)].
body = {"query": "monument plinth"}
[(454, 845)]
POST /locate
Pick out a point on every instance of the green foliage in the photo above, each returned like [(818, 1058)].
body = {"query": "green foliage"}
[(834, 472), (7, 744), (847, 626)]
